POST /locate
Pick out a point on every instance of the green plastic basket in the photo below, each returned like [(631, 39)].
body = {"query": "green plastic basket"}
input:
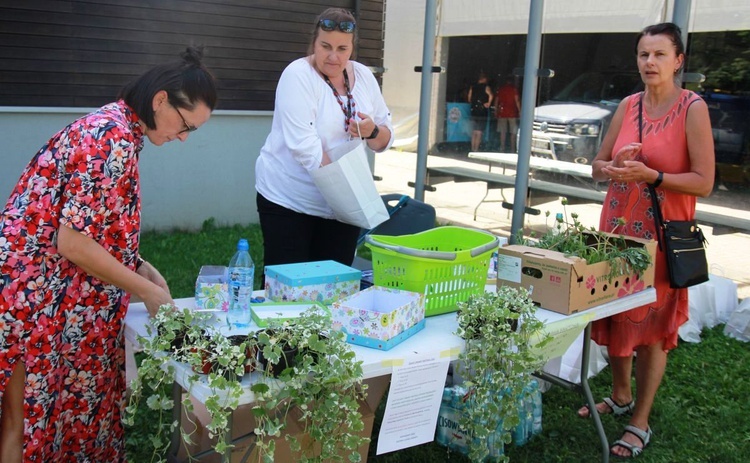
[(446, 264)]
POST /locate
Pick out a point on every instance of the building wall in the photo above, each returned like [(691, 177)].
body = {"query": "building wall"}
[(212, 174), (80, 53), (61, 59)]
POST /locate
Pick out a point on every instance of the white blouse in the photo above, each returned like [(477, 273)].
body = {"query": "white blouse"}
[(307, 121)]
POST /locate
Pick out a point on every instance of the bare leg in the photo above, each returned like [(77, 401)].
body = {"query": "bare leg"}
[(512, 132), (11, 423), (622, 393), (476, 139), (652, 361)]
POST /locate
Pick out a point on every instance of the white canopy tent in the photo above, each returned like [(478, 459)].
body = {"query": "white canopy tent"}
[(450, 18), (498, 17)]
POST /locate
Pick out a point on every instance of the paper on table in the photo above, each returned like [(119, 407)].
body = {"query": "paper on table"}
[(413, 404), (562, 333)]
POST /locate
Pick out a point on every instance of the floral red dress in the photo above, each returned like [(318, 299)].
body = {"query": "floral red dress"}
[(664, 148), (63, 323)]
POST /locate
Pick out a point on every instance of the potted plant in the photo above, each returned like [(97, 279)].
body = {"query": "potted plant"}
[(320, 387), (209, 357), (497, 362), (590, 244)]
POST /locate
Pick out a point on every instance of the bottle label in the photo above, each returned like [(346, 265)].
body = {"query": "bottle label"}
[(240, 287)]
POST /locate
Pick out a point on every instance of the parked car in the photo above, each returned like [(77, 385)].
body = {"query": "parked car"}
[(730, 123), (570, 126)]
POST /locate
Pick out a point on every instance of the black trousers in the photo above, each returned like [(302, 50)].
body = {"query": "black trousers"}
[(290, 237)]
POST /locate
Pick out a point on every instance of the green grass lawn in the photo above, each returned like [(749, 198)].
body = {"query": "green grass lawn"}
[(701, 413)]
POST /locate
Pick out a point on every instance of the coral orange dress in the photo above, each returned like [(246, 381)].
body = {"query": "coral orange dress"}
[(664, 148)]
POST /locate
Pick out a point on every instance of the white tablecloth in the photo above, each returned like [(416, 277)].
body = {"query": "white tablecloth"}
[(436, 338)]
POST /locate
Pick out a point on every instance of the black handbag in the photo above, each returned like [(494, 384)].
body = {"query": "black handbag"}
[(683, 243), (682, 240)]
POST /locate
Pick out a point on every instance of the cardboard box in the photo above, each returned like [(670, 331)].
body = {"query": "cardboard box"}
[(243, 423), (324, 281), (379, 317), (568, 284)]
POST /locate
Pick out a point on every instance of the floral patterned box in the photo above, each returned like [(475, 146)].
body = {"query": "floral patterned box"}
[(211, 291), (324, 281), (379, 317)]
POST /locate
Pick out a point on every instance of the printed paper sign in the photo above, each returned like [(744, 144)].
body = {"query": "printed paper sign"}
[(509, 268), (413, 403), (562, 333)]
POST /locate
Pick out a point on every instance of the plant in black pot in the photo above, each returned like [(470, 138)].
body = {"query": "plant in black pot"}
[(500, 330), (320, 388), (277, 349), (249, 347), (204, 355)]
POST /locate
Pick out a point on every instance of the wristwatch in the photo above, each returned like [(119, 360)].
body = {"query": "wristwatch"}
[(374, 133), (658, 180)]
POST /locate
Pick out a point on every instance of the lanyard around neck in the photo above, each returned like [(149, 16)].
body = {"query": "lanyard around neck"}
[(346, 109)]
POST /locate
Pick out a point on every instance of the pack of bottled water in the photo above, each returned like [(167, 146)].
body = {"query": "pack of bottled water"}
[(450, 434)]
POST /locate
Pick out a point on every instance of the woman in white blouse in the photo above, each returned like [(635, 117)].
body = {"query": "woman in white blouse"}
[(322, 101)]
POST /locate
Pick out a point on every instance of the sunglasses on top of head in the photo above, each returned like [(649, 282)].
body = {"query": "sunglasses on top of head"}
[(344, 26)]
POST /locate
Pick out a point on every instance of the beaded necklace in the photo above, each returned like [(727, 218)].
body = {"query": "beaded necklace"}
[(348, 110)]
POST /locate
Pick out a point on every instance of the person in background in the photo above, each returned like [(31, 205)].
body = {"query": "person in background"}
[(507, 110), (480, 99), (322, 100), (676, 156), (69, 262)]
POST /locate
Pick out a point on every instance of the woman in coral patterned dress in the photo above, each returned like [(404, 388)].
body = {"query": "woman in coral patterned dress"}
[(69, 262), (676, 155)]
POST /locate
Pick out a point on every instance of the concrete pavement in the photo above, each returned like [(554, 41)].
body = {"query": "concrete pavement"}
[(728, 253)]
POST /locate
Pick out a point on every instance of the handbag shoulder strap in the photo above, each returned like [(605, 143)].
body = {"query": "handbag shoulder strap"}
[(658, 219)]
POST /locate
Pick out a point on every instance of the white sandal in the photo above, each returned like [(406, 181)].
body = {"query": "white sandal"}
[(643, 436), (617, 410)]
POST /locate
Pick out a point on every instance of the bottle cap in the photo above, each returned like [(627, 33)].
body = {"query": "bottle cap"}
[(242, 245)]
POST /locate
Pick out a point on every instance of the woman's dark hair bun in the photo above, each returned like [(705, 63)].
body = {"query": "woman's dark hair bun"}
[(193, 55)]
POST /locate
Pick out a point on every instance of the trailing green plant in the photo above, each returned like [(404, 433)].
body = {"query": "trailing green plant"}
[(573, 239), (497, 363), (320, 387), (184, 336)]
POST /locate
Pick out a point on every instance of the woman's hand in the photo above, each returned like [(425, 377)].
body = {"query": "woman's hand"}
[(631, 171), (362, 128), (367, 128), (626, 153), (624, 167), (157, 296)]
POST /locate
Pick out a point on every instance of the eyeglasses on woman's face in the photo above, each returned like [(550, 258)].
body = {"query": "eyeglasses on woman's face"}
[(188, 127), (344, 26)]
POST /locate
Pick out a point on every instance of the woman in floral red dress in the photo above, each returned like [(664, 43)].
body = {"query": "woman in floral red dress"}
[(69, 262)]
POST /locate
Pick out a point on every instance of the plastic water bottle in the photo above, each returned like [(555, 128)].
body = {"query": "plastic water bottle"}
[(559, 225), (241, 273), (536, 410)]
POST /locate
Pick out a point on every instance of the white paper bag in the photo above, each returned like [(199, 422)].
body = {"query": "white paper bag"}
[(346, 184)]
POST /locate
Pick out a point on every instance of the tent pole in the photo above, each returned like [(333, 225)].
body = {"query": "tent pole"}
[(528, 102), (428, 50), (681, 17)]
